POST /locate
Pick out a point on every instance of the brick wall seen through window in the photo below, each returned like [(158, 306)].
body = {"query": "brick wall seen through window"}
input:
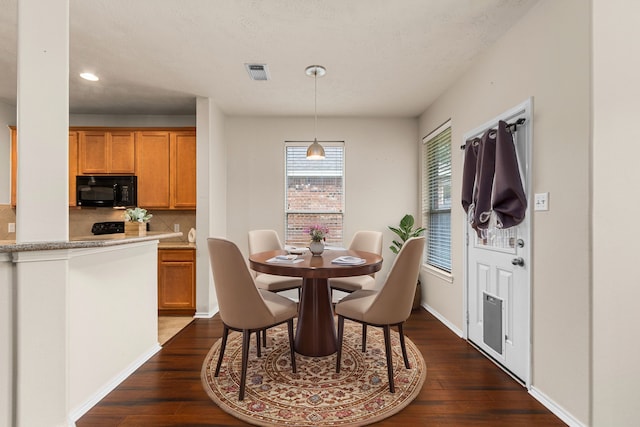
[(314, 192)]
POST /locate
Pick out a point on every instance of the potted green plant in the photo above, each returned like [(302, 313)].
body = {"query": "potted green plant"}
[(405, 231)]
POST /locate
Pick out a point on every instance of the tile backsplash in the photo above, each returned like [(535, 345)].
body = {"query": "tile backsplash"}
[(7, 216), (81, 220)]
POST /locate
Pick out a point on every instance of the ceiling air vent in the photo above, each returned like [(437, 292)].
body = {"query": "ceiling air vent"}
[(257, 71)]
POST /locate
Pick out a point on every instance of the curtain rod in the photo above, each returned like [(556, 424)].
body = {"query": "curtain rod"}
[(511, 127)]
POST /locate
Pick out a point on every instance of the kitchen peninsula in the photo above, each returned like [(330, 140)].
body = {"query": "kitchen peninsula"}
[(84, 242), (98, 307)]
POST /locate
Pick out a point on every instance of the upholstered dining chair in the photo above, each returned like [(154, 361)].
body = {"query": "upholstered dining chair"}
[(244, 307), (386, 307), (268, 240), (369, 241)]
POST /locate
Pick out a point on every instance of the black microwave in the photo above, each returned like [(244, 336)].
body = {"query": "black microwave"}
[(108, 191)]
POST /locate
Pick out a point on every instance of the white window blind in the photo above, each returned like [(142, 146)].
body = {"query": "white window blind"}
[(436, 197), (314, 192)]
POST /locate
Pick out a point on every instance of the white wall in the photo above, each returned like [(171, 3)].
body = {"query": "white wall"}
[(545, 55), (616, 150), (211, 216), (7, 118), (381, 172), (132, 120)]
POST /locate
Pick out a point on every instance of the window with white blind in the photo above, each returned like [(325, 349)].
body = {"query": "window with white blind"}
[(436, 197), (314, 192)]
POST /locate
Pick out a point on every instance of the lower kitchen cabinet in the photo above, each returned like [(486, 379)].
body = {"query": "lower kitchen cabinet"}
[(176, 282)]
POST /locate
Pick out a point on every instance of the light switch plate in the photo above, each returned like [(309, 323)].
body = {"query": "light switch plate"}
[(12, 227), (176, 228), (541, 202)]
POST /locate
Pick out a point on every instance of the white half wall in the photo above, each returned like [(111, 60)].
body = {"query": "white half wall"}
[(112, 318), (545, 55), (381, 172), (7, 295)]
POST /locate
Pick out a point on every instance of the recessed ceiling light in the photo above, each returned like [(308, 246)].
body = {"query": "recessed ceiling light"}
[(89, 76)]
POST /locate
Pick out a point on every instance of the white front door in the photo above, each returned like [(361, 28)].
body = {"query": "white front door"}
[(498, 298), (498, 276)]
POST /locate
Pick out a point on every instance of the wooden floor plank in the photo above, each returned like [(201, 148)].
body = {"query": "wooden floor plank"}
[(463, 387)]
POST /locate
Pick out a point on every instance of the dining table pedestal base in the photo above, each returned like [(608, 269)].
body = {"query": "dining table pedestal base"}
[(315, 331)]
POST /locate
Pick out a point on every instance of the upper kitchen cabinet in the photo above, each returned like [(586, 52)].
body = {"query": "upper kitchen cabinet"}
[(106, 152), (73, 165), (183, 176), (152, 168), (166, 169)]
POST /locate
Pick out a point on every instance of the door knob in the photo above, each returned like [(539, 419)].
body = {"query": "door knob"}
[(517, 261)]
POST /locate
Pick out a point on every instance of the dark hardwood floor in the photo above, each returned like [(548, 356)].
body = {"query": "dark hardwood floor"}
[(463, 388)]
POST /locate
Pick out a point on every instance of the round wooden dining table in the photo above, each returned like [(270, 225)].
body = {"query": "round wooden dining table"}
[(315, 331)]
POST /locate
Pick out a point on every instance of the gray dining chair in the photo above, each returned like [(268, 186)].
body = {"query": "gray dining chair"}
[(389, 306), (244, 307)]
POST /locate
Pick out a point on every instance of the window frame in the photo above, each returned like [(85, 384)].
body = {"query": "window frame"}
[(427, 194), (287, 211)]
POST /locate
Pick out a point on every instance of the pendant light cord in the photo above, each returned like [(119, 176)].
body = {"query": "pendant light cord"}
[(315, 105)]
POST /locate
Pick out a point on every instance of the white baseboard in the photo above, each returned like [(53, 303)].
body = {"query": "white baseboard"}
[(207, 314), (557, 410), (442, 319), (111, 385)]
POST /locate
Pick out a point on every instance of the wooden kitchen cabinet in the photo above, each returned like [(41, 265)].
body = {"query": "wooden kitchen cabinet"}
[(106, 152), (73, 165), (164, 159), (152, 168), (176, 282), (183, 171), (166, 169)]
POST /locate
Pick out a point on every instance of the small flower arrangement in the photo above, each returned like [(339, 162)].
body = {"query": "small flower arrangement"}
[(317, 232), (137, 215)]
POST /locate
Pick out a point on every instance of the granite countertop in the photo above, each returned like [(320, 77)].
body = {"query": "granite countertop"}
[(84, 242)]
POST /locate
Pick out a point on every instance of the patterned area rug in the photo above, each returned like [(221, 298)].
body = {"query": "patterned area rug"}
[(316, 395)]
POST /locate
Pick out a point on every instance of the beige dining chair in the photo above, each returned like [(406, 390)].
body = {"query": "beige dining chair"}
[(369, 241), (268, 240), (389, 306), (244, 307)]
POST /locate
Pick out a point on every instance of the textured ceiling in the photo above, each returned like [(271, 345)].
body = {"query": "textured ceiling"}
[(383, 57)]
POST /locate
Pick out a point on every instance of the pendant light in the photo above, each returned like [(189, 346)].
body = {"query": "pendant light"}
[(315, 150)]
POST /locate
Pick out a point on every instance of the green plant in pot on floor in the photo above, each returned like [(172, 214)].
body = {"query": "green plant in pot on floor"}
[(405, 231)]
